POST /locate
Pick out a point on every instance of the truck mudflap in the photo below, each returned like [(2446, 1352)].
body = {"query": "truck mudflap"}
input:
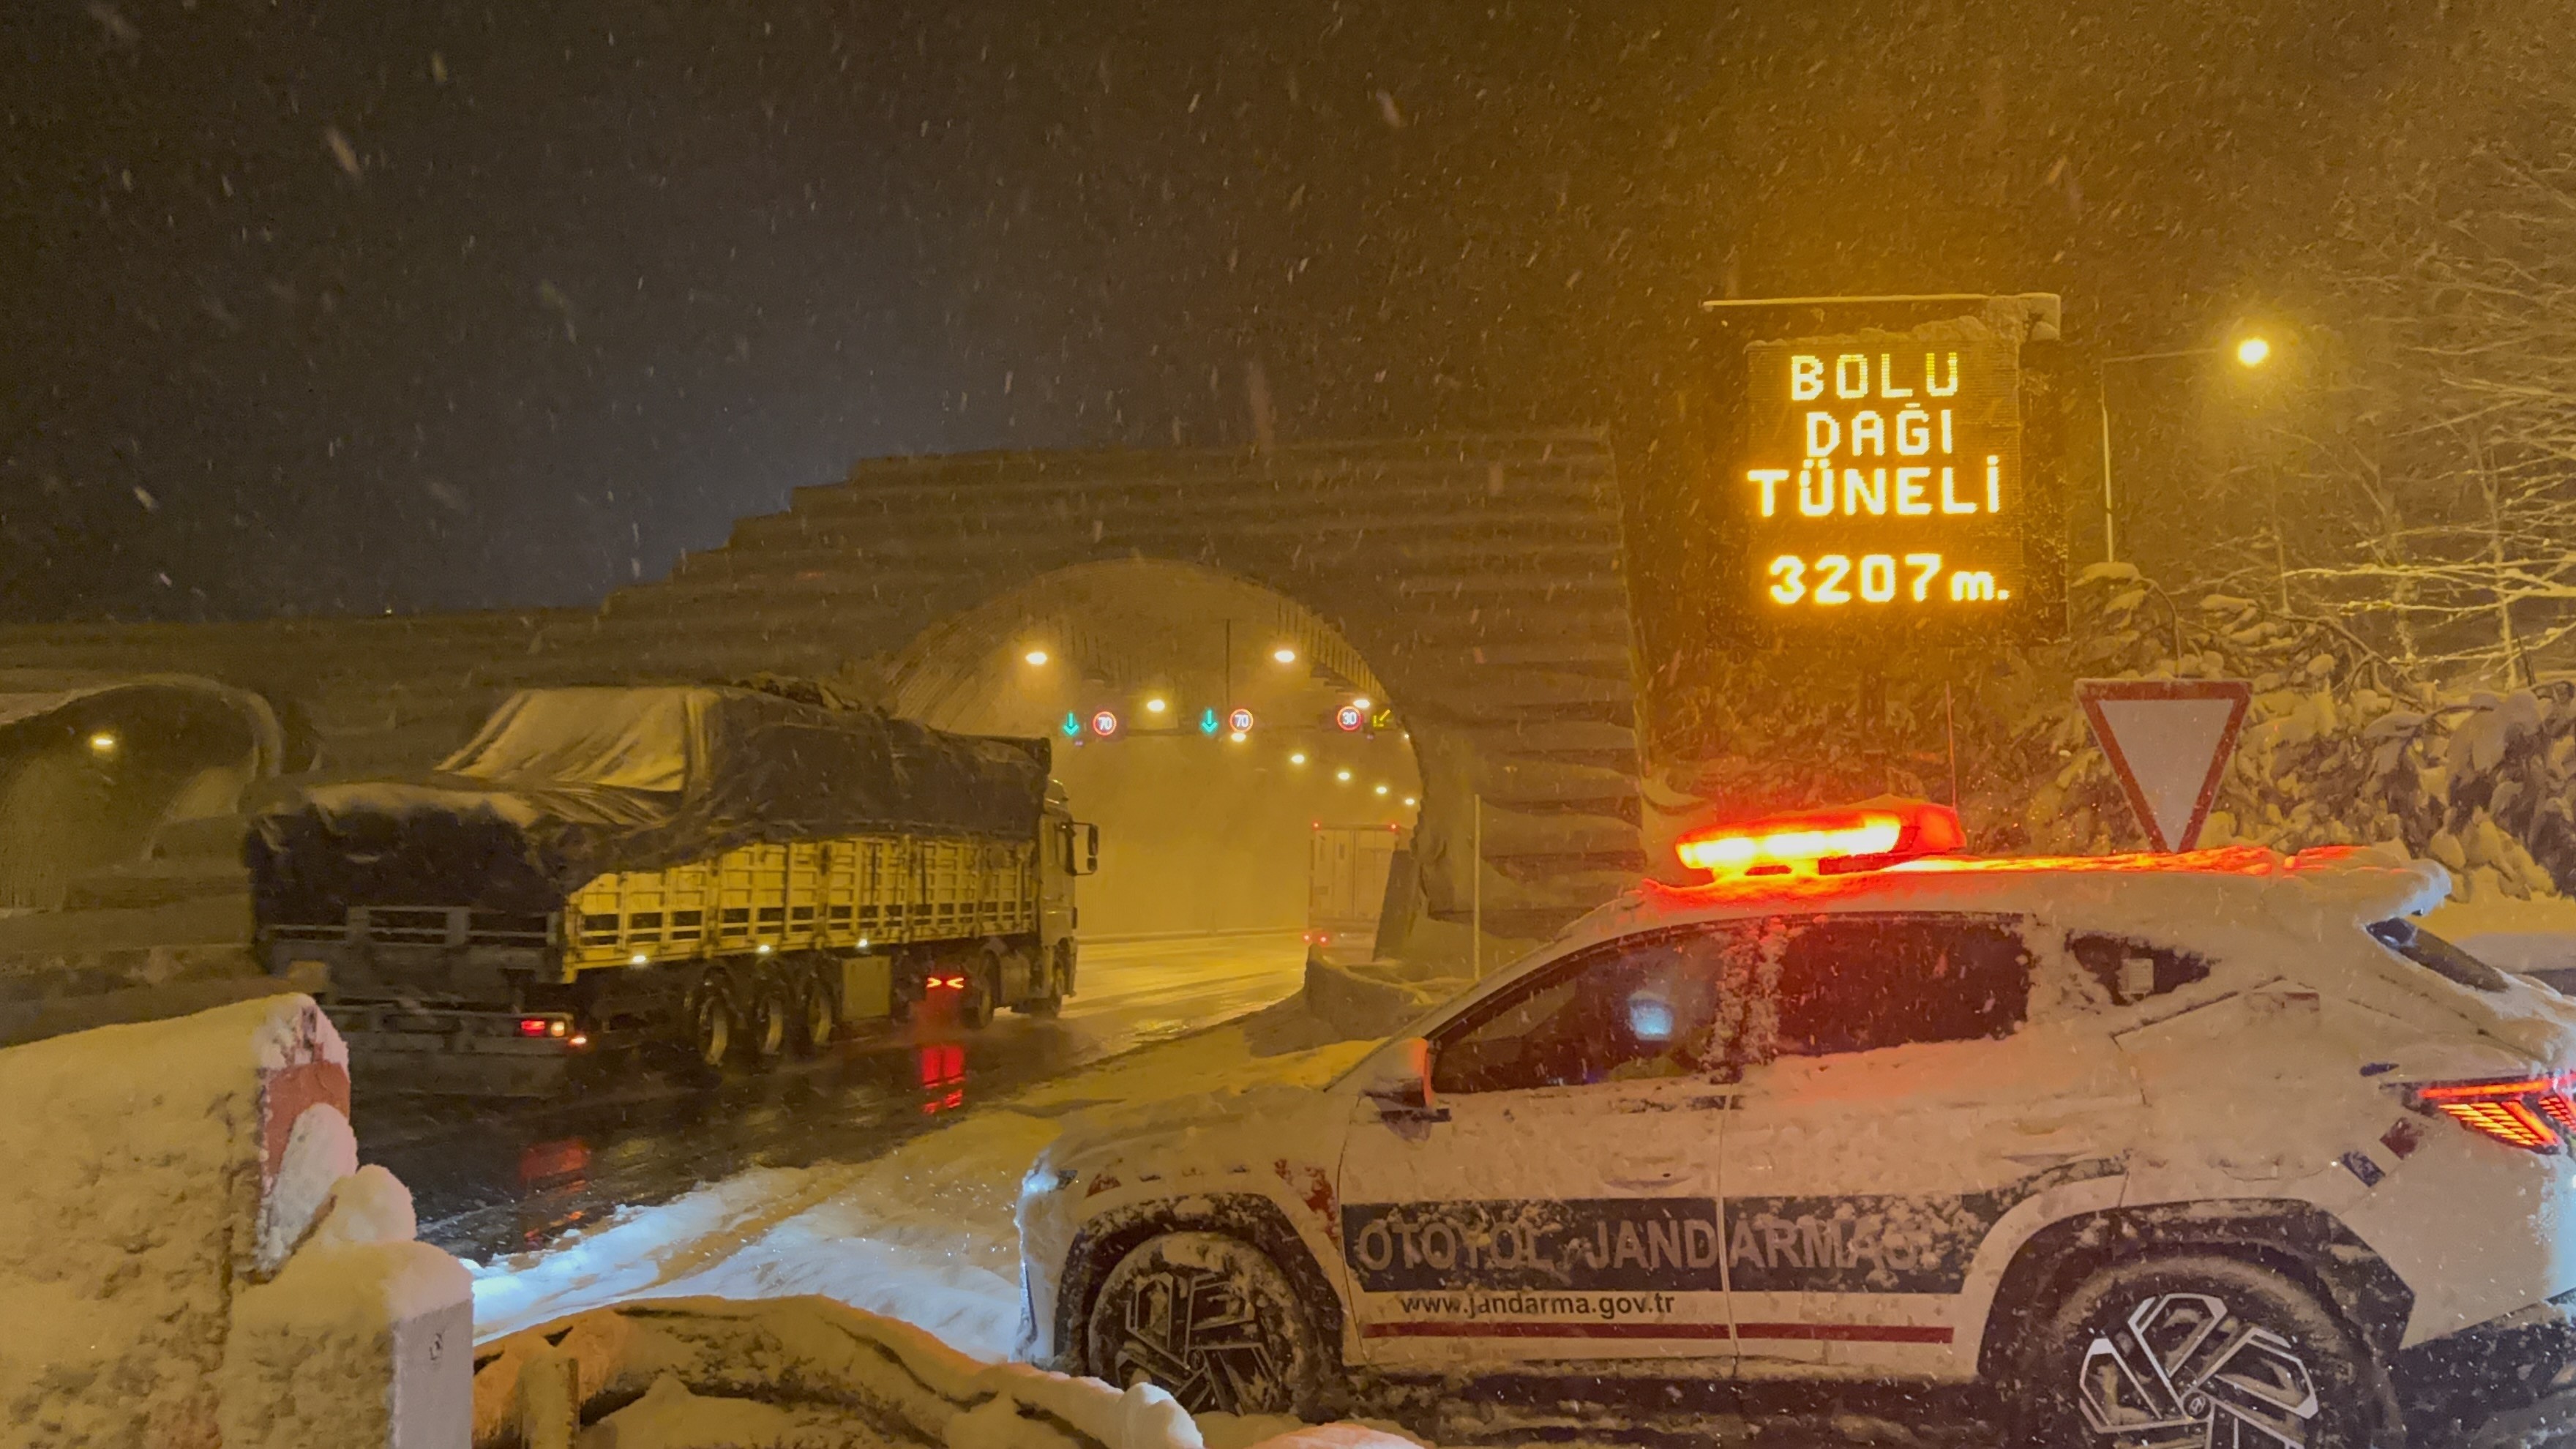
[(469, 1053)]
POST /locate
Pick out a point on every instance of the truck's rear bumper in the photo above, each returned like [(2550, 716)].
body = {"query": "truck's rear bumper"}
[(470, 1053)]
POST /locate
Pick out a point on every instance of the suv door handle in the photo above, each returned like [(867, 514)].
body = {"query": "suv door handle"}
[(1386, 1113)]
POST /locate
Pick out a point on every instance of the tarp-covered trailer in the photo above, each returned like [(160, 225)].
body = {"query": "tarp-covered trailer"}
[(738, 871)]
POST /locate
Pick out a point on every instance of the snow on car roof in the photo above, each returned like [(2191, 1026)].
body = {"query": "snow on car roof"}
[(2232, 888)]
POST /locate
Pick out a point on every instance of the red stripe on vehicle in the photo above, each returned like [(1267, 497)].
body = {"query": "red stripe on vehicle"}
[(1505, 1329), (1807, 1332), (1847, 1332)]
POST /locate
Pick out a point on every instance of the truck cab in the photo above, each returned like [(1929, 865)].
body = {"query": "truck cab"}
[(1069, 849)]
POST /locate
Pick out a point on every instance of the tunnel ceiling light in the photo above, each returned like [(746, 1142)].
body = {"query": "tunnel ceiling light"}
[(1381, 789), (1409, 800), (1342, 775), (1363, 703), (1035, 656), (1237, 736), (1284, 654), (2253, 352), (1157, 705), (1298, 758), (103, 743)]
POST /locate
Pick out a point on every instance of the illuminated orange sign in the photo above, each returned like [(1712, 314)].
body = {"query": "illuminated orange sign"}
[(1881, 480)]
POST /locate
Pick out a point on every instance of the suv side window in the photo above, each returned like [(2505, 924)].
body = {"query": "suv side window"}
[(1858, 983), (1637, 1008), (2129, 970)]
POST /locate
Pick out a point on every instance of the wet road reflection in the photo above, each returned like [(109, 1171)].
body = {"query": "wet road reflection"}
[(497, 1177)]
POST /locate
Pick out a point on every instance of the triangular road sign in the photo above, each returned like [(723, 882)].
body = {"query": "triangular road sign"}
[(2168, 740)]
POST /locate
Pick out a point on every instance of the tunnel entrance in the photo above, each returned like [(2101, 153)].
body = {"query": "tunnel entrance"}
[(1141, 671)]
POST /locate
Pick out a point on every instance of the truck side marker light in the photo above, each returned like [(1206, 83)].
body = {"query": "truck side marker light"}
[(577, 1039)]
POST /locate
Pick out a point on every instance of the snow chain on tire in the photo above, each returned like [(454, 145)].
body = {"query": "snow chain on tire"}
[(1212, 1320)]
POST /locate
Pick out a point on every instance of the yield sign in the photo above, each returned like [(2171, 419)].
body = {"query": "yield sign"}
[(2168, 739)]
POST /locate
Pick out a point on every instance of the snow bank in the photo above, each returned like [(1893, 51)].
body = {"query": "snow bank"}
[(1376, 999), (766, 1361), (2531, 936), (182, 1208)]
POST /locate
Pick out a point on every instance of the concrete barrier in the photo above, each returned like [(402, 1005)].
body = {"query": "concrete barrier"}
[(192, 1257)]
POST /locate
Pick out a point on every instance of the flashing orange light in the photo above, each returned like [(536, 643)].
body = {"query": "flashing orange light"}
[(1823, 842), (2517, 1113)]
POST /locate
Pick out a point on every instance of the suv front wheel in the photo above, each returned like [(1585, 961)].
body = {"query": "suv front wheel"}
[(1212, 1320), (2193, 1350)]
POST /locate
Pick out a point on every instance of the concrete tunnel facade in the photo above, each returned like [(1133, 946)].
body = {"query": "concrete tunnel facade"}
[(1479, 578)]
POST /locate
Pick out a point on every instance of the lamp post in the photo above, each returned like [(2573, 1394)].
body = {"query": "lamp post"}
[(2250, 352)]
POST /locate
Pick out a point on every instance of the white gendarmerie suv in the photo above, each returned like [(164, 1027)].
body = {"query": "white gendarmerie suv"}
[(2209, 1149)]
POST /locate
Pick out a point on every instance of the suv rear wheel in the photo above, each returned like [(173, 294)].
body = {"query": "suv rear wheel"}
[(2193, 1350), (1212, 1320)]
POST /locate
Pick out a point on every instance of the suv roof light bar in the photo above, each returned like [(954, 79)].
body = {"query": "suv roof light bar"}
[(1860, 837)]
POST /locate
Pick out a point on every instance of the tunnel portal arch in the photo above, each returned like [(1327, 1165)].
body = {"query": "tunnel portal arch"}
[(94, 769), (1478, 579)]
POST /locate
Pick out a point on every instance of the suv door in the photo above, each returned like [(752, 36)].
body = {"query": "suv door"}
[(1558, 1199), (1897, 1103)]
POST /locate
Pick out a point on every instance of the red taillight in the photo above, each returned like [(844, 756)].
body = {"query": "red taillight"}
[(532, 1026), (2517, 1113)]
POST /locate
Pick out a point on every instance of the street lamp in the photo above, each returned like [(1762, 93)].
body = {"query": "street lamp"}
[(2250, 352)]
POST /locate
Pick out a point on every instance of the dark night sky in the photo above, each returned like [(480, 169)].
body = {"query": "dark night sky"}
[(318, 306)]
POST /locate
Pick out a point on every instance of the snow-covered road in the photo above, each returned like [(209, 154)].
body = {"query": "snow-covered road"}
[(923, 1233), (506, 1177)]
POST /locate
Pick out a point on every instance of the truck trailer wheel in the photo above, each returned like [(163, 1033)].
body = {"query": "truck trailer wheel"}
[(773, 1009), (711, 1027), (1057, 983), (818, 1012), (975, 1001)]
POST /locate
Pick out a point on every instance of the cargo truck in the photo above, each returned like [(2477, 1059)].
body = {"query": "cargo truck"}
[(731, 873), (1347, 868)]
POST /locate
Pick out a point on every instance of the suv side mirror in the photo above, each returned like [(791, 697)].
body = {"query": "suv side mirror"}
[(1404, 1085)]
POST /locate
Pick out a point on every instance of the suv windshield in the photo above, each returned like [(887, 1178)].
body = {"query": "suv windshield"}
[(2434, 954)]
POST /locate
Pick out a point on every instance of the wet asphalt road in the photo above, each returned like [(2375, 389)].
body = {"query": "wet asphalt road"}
[(505, 1176)]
